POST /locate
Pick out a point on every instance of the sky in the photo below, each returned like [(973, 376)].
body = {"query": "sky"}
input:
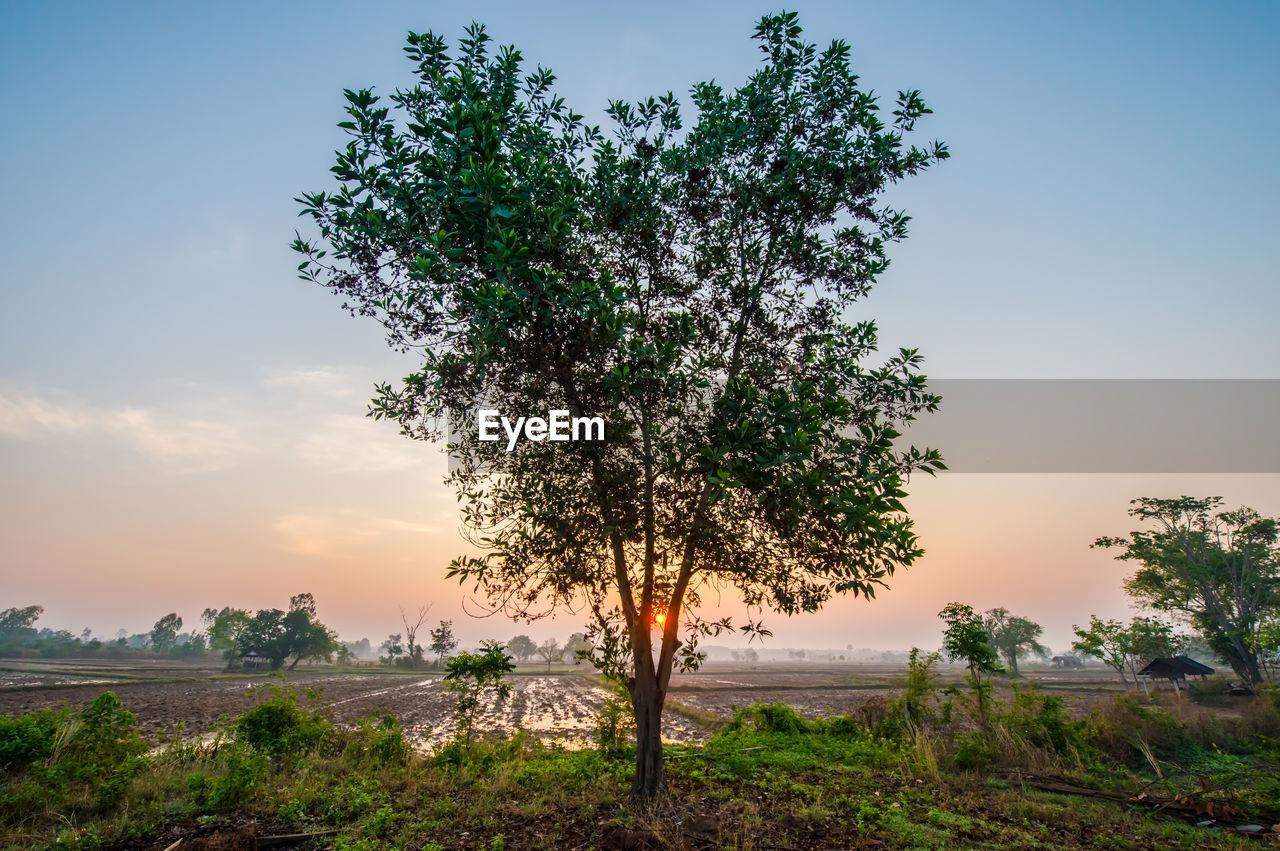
[(181, 418)]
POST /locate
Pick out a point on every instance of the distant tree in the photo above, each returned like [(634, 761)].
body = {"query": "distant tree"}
[(443, 641), (411, 633), (522, 646), (576, 645), (224, 628), (1013, 636), (1105, 640), (393, 648), (1123, 647), (750, 655), (165, 632), (473, 677), (296, 633), (965, 639), (689, 278), (361, 649), (1219, 569), (19, 622), (550, 651)]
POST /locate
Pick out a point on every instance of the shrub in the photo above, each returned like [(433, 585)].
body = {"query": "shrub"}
[(28, 738), (278, 726), (1042, 722), (768, 718)]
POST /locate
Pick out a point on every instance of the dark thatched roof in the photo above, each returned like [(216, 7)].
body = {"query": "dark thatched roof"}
[(1175, 667)]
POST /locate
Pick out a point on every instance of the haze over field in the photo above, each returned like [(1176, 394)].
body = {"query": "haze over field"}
[(181, 419)]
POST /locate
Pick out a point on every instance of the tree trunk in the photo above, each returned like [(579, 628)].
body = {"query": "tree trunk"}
[(646, 700)]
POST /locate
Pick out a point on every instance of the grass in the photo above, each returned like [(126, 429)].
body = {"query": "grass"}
[(767, 779)]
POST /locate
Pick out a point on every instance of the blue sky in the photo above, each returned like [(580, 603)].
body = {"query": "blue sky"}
[(180, 415)]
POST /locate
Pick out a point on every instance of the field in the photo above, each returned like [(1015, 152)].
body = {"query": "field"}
[(560, 705), (771, 755)]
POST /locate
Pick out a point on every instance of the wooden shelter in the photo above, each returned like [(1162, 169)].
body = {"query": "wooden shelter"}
[(253, 660), (1173, 669)]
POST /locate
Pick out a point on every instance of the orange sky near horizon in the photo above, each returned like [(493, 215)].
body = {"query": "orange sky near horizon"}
[(314, 497)]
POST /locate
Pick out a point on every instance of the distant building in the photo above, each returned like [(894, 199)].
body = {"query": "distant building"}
[(1173, 669)]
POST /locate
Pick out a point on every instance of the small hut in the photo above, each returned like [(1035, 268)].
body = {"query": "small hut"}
[(1174, 668), (254, 661), (1068, 662)]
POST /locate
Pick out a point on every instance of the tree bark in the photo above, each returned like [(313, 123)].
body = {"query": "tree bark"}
[(646, 701)]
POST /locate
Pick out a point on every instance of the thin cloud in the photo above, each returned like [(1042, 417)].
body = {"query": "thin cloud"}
[(180, 444), (333, 534)]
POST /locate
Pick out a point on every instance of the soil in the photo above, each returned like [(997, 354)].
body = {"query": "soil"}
[(557, 706)]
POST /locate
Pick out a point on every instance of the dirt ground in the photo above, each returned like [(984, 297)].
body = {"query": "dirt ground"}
[(559, 705)]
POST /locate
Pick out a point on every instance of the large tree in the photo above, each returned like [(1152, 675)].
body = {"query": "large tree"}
[(1013, 636), (690, 279), (224, 628), (297, 633), (165, 632), (1218, 569)]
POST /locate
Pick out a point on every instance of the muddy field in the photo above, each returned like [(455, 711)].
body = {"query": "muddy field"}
[(557, 706)]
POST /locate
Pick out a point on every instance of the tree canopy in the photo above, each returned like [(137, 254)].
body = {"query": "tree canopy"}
[(1218, 569), (297, 633), (688, 276), (1013, 636)]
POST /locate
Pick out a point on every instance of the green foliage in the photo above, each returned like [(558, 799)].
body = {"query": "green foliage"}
[(614, 729), (522, 647), (165, 632), (279, 726), (443, 641), (972, 752), (224, 628), (471, 678), (688, 278), (916, 708), (1220, 569), (1041, 721), (28, 738), (1013, 636), (965, 638), (77, 763), (279, 635)]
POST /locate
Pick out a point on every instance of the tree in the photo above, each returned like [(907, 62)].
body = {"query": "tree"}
[(578, 646), (20, 618), (296, 633), (1013, 636), (688, 285), (165, 632), (442, 640), (522, 647), (472, 677), (550, 652), (1121, 646), (224, 627), (393, 648), (965, 639), (411, 633), (1219, 569), (1106, 640)]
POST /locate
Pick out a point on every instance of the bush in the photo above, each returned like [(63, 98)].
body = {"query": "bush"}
[(29, 738), (278, 726), (1042, 722), (768, 718)]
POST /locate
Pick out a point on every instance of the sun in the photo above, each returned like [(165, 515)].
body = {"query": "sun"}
[(660, 618)]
